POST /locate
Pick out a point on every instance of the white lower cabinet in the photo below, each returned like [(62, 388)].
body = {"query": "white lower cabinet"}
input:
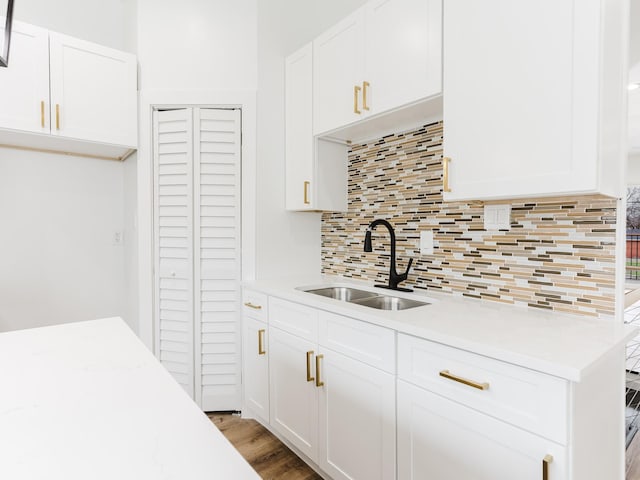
[(256, 367), (255, 355), (360, 401), (439, 439), (294, 399), (335, 409), (357, 419)]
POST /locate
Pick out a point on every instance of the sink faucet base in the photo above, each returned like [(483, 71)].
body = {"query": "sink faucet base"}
[(399, 289)]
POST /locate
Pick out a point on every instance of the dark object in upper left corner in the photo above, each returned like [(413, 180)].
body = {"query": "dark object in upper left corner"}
[(5, 40)]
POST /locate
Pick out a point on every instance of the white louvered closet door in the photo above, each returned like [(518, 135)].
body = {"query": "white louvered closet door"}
[(198, 269), (173, 157), (217, 266)]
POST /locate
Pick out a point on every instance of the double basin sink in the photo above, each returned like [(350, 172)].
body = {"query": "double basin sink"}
[(368, 299)]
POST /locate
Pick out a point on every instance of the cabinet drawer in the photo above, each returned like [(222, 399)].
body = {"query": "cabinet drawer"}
[(361, 341), (254, 305), (294, 318), (531, 400)]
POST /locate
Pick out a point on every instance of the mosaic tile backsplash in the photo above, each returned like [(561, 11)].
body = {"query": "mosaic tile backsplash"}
[(557, 255)]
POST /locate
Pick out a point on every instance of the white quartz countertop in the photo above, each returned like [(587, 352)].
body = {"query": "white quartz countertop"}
[(566, 346), (88, 401)]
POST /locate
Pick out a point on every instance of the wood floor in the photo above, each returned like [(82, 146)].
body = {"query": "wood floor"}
[(264, 452), (273, 460)]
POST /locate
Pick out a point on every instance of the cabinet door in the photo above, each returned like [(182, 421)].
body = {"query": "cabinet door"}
[(338, 68), (522, 94), (357, 419), (298, 129), (293, 398), (256, 367), (403, 52), (440, 439), (24, 85), (93, 92)]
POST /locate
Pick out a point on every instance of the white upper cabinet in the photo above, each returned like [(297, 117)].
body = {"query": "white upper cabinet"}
[(338, 74), (93, 92), (533, 99), (298, 128), (384, 56), (403, 52), (24, 85), (64, 94), (316, 169)]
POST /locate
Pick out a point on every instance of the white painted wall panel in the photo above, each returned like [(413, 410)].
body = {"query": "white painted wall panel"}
[(197, 44), (58, 261)]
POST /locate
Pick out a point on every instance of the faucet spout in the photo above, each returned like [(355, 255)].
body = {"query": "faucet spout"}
[(394, 277)]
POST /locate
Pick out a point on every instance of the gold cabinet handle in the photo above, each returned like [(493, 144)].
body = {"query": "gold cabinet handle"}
[(470, 383), (445, 174), (365, 86), (251, 305), (42, 113), (261, 350), (545, 466), (309, 355), (57, 116), (319, 383), (356, 94), (306, 193)]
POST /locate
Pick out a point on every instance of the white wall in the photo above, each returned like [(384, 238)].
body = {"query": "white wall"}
[(288, 243), (192, 52), (107, 22), (634, 45), (197, 44), (59, 213), (130, 243), (634, 77), (217, 46), (58, 263)]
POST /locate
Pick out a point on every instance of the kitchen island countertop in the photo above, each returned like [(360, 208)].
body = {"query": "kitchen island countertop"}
[(87, 400)]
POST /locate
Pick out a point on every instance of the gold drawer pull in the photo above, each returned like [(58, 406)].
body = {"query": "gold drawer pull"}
[(319, 383), (445, 174), (545, 466), (365, 86), (356, 93), (470, 383), (42, 113), (57, 116), (306, 193), (309, 377), (251, 305), (261, 350)]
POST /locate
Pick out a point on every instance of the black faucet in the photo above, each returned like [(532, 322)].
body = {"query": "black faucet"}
[(394, 277)]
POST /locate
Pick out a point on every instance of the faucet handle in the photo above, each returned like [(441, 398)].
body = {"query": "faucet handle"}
[(406, 272)]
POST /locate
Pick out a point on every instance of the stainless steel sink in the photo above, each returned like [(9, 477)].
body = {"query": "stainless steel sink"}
[(366, 298), (385, 302), (346, 294)]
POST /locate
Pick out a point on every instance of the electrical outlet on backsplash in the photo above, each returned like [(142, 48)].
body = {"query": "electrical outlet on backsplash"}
[(559, 253)]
